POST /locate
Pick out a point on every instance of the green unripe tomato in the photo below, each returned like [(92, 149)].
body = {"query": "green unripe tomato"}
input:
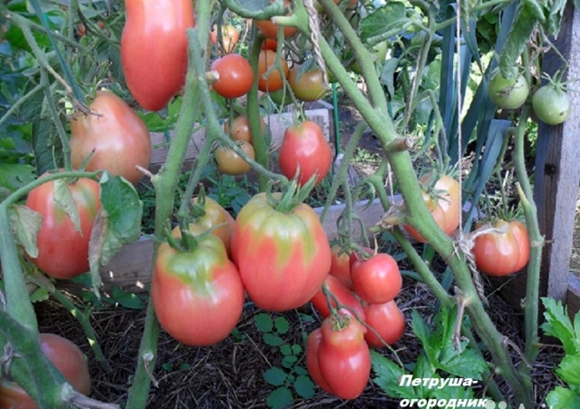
[(508, 93), (551, 104), (379, 53)]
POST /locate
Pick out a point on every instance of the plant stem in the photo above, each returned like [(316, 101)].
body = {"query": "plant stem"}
[(531, 307)]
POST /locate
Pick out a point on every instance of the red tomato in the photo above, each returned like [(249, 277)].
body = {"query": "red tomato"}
[(500, 254), (387, 320), (66, 357), (230, 37), (230, 163), (312, 347), (235, 76), (270, 30), (343, 356), (240, 130), (306, 86), (305, 151), (211, 216), (197, 294), (283, 257), (275, 80), (154, 49), (114, 133), (445, 207), (376, 280), (345, 297), (340, 266), (270, 44), (63, 252)]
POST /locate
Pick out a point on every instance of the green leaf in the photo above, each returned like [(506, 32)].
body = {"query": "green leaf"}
[(282, 325), (280, 398), (263, 322), (569, 369), (117, 223), (300, 371), (127, 299), (385, 22), (40, 294), (157, 123), (558, 324), (26, 224), (423, 369), (14, 176), (296, 349), (286, 349), (422, 331), (64, 200), (562, 398), (387, 77), (528, 14), (467, 364), (289, 361), (388, 376), (275, 376), (273, 340), (304, 387)]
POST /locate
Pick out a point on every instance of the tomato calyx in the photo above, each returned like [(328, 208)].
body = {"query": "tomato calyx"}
[(292, 197)]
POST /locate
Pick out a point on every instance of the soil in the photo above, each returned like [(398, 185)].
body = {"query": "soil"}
[(231, 374)]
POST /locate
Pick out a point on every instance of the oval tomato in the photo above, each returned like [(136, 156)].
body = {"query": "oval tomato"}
[(387, 320), (211, 216), (508, 93), (305, 152), (114, 133), (343, 295), (198, 295), (270, 44), (343, 356), (340, 266), (240, 129), (307, 86), (154, 49), (312, 347), (230, 163), (445, 207), (235, 76), (283, 257), (230, 37), (502, 253), (376, 280), (551, 104), (66, 357), (63, 252), (275, 78)]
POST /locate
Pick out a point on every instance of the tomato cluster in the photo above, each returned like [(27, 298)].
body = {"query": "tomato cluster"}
[(363, 290)]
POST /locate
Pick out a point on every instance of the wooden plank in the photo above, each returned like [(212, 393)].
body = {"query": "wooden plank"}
[(573, 297), (277, 124), (130, 269), (557, 173)]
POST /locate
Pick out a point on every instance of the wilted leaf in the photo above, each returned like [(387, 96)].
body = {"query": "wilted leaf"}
[(26, 224)]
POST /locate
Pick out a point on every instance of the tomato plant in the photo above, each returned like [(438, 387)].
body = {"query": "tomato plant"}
[(235, 76), (115, 136), (240, 129), (344, 296), (63, 250), (343, 356), (66, 357), (387, 320), (230, 37), (508, 93), (197, 294), (275, 77), (504, 252), (230, 163), (444, 206), (305, 152), (376, 280), (306, 85), (154, 49), (551, 104), (283, 257)]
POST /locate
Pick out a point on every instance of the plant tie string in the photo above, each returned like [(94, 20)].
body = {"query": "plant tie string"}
[(314, 26)]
